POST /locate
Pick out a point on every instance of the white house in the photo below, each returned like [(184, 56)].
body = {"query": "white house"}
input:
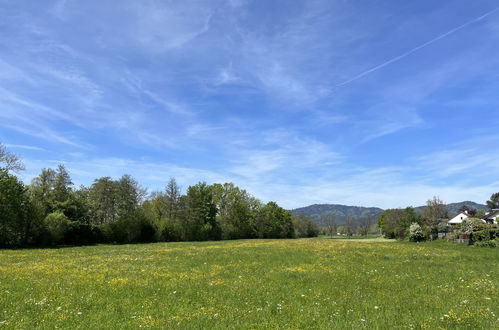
[(458, 219), (492, 216)]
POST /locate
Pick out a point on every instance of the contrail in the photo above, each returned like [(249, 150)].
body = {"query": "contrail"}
[(397, 58)]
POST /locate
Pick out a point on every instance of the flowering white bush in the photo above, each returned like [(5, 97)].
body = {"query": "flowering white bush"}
[(415, 233), (468, 224)]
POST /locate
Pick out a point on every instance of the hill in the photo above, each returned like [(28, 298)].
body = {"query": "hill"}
[(342, 211), (453, 208)]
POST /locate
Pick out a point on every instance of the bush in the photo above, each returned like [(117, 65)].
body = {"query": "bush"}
[(485, 236), (416, 233), (491, 244), (82, 233), (132, 229), (56, 224)]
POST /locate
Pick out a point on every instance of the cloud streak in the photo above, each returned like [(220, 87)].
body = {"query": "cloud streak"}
[(415, 49)]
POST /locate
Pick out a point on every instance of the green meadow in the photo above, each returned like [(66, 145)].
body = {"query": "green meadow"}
[(289, 284)]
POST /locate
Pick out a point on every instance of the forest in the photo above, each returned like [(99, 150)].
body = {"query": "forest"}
[(52, 211)]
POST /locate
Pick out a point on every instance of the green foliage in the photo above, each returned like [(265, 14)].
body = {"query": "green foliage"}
[(434, 213), (51, 190), (443, 227), (16, 212), (470, 224), (56, 224), (305, 227), (274, 222), (79, 233), (485, 235), (395, 222), (234, 212), (493, 202), (489, 243), (416, 233), (135, 228), (340, 212), (199, 214)]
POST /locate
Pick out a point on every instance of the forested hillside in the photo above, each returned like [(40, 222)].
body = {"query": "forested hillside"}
[(343, 211)]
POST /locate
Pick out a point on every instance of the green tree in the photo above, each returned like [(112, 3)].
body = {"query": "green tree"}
[(172, 199), (57, 224), (16, 217), (274, 222), (305, 226), (129, 196), (103, 201), (493, 202), (199, 216), (433, 214), (395, 222), (234, 212), (52, 190)]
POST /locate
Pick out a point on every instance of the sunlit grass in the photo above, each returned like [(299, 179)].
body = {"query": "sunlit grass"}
[(316, 283)]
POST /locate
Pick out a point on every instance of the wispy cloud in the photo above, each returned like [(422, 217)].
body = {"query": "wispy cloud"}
[(21, 146), (415, 49)]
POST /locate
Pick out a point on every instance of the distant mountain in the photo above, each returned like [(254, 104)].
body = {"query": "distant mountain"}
[(453, 208), (342, 211)]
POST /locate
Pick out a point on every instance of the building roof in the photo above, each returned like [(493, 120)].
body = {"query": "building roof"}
[(458, 218), (492, 215)]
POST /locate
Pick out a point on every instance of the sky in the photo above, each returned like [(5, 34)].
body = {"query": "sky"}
[(368, 103)]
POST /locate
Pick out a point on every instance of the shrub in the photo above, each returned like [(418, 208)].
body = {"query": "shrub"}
[(416, 233), (135, 228), (487, 235), (442, 227), (56, 224), (470, 224), (491, 244), (79, 233)]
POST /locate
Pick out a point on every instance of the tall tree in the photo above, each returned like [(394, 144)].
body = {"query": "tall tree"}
[(274, 222), (365, 224), (103, 200), (10, 161), (493, 202), (434, 213), (199, 218), (234, 212), (172, 198), (395, 222), (330, 223), (52, 189), (16, 218), (129, 196)]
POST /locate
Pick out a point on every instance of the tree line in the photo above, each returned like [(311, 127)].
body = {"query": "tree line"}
[(407, 223), (51, 211)]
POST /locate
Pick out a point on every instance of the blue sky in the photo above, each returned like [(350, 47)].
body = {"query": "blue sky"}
[(373, 103)]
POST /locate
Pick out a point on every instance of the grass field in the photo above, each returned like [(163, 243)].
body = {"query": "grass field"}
[(305, 283)]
